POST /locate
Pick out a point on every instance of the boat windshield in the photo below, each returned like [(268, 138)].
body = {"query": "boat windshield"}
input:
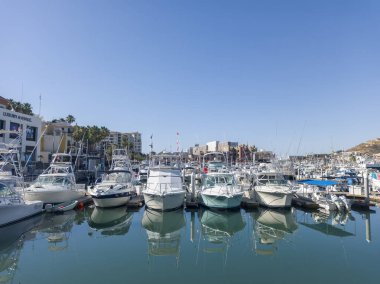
[(5, 190), (53, 180), (119, 177), (215, 165), (272, 179), (218, 180)]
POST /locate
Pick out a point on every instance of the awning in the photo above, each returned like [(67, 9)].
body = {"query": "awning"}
[(317, 182)]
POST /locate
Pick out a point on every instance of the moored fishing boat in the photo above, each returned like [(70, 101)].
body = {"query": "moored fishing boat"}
[(57, 183)]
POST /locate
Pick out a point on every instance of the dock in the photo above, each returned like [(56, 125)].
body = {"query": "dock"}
[(191, 202), (84, 200), (248, 203), (136, 202)]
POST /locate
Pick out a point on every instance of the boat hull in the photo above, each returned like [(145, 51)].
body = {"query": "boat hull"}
[(274, 199), (111, 200), (164, 202), (16, 212), (221, 202), (53, 196)]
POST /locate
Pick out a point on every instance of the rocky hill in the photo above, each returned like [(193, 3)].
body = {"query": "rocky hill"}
[(370, 147)]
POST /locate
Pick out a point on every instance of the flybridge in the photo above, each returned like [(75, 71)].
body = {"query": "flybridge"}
[(12, 115)]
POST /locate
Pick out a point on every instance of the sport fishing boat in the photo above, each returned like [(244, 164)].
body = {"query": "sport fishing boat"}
[(220, 190), (57, 183), (272, 190), (10, 161), (164, 189)]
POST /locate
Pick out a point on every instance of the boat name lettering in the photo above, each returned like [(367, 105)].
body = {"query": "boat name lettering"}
[(17, 116)]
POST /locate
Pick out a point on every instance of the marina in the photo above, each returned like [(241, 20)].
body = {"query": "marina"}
[(210, 142)]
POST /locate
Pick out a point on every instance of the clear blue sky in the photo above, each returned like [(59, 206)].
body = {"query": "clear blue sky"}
[(290, 76)]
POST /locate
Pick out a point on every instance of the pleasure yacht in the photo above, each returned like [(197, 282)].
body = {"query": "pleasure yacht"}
[(116, 187)]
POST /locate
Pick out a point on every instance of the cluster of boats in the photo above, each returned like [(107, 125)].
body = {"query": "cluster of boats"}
[(165, 183), (55, 185)]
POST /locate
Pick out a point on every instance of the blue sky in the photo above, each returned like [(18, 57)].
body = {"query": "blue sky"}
[(290, 76)]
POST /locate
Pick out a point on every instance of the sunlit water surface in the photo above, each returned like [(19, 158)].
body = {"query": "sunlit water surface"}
[(263, 246)]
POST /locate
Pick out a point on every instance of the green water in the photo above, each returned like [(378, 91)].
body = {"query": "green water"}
[(263, 246)]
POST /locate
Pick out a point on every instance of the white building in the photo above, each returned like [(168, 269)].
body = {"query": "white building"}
[(212, 146), (57, 138), (28, 125), (116, 138)]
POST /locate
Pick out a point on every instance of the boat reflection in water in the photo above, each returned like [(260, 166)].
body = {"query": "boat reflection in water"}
[(164, 231), (12, 238), (271, 226), (111, 221), (218, 227), (330, 223), (56, 229)]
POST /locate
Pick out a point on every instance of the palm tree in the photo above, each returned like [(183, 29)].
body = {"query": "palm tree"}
[(70, 119), (25, 108)]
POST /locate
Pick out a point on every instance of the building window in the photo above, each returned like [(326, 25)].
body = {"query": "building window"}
[(29, 153), (2, 127), (31, 133), (13, 126)]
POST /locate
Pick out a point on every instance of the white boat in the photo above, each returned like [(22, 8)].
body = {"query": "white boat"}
[(219, 190), (143, 172), (56, 184), (164, 231), (272, 190), (14, 208), (164, 189), (116, 187)]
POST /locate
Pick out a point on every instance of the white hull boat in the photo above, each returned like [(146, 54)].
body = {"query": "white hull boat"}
[(116, 187), (164, 201), (10, 213), (164, 189), (13, 208), (273, 196), (272, 190), (47, 195), (56, 184)]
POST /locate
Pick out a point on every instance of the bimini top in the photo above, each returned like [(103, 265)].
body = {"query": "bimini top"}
[(322, 183)]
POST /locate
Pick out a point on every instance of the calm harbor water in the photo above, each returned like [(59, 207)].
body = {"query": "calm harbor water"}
[(262, 246)]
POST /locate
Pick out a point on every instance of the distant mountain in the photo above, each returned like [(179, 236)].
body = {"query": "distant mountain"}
[(370, 147)]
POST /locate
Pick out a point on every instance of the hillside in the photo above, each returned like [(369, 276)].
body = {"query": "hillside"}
[(370, 147)]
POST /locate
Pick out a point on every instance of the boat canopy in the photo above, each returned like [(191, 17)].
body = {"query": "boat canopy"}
[(322, 183)]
